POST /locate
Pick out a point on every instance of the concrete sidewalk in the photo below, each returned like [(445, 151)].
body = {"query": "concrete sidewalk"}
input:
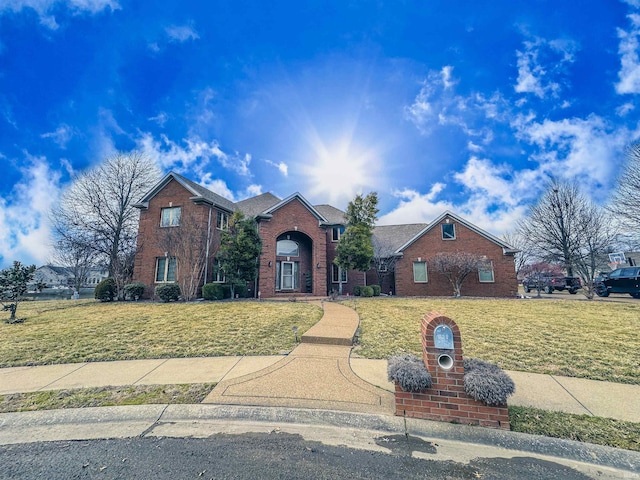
[(319, 373)]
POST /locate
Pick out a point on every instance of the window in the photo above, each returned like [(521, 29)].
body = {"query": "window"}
[(170, 217), (336, 273), (336, 232), (448, 231), (382, 266), (287, 248), (485, 273), (222, 222), (218, 274), (420, 272), (165, 269)]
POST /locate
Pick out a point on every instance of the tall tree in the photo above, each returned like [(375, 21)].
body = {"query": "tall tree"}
[(240, 247), (383, 259), (13, 286), (552, 224), (97, 209), (78, 257), (526, 251), (355, 248), (625, 201), (456, 267)]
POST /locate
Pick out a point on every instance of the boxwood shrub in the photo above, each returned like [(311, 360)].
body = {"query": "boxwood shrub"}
[(106, 290), (212, 291), (376, 290), (367, 291), (134, 291), (168, 292), (357, 290)]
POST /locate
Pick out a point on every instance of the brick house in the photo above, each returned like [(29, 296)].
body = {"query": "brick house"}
[(299, 245)]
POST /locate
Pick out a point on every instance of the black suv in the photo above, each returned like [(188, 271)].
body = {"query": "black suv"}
[(622, 280), (550, 282)]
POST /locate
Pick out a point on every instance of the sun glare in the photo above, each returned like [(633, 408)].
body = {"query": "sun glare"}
[(339, 172)]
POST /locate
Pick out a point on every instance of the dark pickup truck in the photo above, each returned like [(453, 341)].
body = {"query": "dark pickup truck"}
[(622, 280), (550, 282)]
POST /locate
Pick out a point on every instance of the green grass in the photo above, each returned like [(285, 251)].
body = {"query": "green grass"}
[(105, 396), (66, 331), (596, 340), (582, 428)]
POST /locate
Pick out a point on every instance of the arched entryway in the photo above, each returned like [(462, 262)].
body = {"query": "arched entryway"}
[(294, 263)]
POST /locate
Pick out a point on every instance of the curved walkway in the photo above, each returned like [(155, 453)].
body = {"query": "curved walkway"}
[(319, 373)]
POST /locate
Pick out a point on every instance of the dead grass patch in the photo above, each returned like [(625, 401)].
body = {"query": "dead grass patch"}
[(597, 340), (105, 396), (66, 331)]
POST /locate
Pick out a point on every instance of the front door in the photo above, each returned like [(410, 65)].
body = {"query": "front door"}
[(287, 276)]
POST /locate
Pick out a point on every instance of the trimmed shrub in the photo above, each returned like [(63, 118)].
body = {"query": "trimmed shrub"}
[(168, 292), (376, 290), (226, 291), (241, 290), (106, 290), (357, 290), (134, 291), (212, 291), (487, 382), (410, 373), (367, 291)]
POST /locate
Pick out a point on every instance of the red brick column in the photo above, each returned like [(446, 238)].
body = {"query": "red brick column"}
[(446, 400)]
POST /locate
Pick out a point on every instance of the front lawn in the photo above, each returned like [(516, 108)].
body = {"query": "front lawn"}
[(68, 331), (576, 338)]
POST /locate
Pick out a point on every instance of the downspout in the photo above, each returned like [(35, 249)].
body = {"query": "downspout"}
[(206, 255)]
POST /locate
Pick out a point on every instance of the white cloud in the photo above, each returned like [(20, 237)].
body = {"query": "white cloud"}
[(61, 135), (283, 167), (160, 119), (44, 8), (24, 214), (540, 64), (216, 185), (629, 73), (181, 33), (625, 108), (447, 80)]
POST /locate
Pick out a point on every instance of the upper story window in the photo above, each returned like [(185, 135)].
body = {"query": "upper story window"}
[(448, 231), (222, 222), (170, 217), (336, 232), (287, 248)]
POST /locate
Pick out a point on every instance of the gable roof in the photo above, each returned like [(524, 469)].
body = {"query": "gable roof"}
[(506, 248), (254, 206), (200, 193), (387, 239), (269, 212), (333, 215)]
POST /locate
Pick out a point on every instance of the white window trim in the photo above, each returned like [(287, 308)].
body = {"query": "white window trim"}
[(225, 220), (493, 275), (166, 270), (170, 209), (336, 278), (453, 225), (426, 272), (336, 229)]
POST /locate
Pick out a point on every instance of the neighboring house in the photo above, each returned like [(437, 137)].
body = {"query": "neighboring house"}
[(299, 245), (95, 275), (53, 277)]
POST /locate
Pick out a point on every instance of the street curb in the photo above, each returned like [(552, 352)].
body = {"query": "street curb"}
[(140, 421)]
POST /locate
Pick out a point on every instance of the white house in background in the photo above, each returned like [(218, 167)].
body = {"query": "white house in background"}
[(53, 277)]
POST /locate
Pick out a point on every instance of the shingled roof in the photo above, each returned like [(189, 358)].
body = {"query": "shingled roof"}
[(254, 206), (389, 238), (333, 215)]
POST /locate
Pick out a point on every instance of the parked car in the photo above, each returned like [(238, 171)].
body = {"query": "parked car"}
[(621, 280), (549, 282)]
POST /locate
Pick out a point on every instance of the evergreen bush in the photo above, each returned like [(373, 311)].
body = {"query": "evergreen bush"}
[(357, 290), (106, 290), (367, 291), (168, 292), (134, 291), (212, 291), (376, 290)]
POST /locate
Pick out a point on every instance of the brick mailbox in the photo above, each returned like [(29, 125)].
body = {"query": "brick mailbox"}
[(446, 400)]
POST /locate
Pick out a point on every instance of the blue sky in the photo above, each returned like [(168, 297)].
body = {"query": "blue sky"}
[(459, 105)]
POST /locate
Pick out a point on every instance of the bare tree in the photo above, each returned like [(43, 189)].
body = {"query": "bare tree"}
[(383, 259), (625, 201), (78, 257), (552, 226), (597, 234), (97, 209), (187, 242), (456, 267), (526, 251)]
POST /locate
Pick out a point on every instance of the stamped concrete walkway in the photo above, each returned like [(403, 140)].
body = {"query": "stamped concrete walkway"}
[(314, 375)]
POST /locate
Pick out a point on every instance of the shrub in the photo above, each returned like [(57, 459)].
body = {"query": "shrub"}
[(241, 290), (357, 290), (367, 291), (133, 291), (106, 290), (376, 290), (212, 291), (487, 382), (410, 373), (226, 291), (168, 292)]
